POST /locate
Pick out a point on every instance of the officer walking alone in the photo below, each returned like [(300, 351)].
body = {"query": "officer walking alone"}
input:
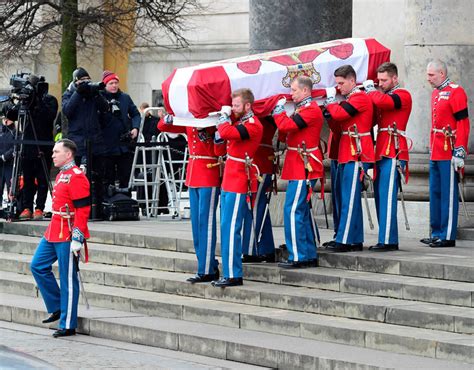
[(63, 240)]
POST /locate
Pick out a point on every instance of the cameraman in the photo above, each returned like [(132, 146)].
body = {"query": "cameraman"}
[(36, 159), (7, 135), (120, 127), (82, 105)]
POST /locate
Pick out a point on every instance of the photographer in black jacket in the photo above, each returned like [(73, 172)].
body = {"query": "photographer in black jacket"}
[(120, 127), (36, 159), (7, 135), (82, 105)]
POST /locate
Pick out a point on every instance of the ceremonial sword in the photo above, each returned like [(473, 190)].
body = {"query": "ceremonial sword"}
[(76, 260), (401, 176)]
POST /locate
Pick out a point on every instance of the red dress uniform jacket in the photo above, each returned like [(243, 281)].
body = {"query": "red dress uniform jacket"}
[(303, 126), (243, 138), (393, 106), (448, 108), (72, 188), (358, 110), (264, 156), (201, 144)]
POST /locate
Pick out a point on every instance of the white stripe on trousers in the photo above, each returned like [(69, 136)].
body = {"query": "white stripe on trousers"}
[(255, 209), (388, 219), (450, 210), (231, 236), (293, 221), (70, 290), (351, 202), (209, 231)]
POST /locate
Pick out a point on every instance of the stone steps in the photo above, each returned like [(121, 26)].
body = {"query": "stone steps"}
[(339, 280), (415, 302), (314, 301), (240, 345), (425, 263)]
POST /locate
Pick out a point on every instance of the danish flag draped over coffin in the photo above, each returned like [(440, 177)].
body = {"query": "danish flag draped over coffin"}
[(191, 93)]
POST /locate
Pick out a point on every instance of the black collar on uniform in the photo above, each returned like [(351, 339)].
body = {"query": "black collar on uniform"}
[(246, 116), (303, 102), (444, 84), (397, 86), (68, 166)]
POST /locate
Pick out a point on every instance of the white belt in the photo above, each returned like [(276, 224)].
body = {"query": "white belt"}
[(352, 133), (308, 150), (63, 214), (442, 131), (202, 157), (241, 160), (390, 129)]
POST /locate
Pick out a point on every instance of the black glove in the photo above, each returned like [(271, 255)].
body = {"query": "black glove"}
[(83, 88)]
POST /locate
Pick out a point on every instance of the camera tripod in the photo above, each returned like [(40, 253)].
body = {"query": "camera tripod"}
[(24, 121)]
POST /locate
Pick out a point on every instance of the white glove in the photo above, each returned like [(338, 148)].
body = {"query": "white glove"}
[(368, 86), (76, 247), (3, 158), (330, 96), (279, 107), (226, 110), (458, 163), (217, 138), (168, 119)]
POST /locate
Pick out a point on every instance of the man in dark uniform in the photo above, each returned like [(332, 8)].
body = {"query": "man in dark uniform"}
[(63, 240), (303, 166), (393, 108), (448, 149), (240, 181)]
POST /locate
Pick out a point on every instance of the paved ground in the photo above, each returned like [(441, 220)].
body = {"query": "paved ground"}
[(28, 347)]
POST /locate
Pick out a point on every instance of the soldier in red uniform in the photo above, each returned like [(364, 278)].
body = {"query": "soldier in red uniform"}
[(351, 118), (203, 180), (63, 240), (393, 108), (448, 149), (240, 181), (303, 166), (261, 246)]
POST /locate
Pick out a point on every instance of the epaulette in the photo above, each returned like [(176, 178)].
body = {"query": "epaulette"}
[(454, 86), (77, 171)]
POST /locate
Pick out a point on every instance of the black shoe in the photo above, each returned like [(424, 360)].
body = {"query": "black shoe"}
[(203, 278), (257, 259), (64, 333), (339, 247), (52, 318), (356, 247), (443, 243), (331, 243), (428, 241), (293, 264), (224, 282), (379, 247)]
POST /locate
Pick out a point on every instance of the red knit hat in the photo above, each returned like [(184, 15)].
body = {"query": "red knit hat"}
[(108, 76)]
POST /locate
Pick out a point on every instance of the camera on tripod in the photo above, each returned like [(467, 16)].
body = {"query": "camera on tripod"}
[(28, 88), (90, 88)]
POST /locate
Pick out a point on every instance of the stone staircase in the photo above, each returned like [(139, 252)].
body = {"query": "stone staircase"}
[(407, 309)]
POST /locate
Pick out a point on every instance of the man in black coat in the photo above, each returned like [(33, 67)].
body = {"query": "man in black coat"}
[(120, 127), (82, 105)]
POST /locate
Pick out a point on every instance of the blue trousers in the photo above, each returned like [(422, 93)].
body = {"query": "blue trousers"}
[(65, 298), (250, 241), (351, 222), (300, 228), (234, 210), (203, 202), (444, 202), (335, 196), (385, 194)]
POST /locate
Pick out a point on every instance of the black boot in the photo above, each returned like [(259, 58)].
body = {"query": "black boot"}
[(293, 264), (428, 241), (379, 247), (64, 333), (225, 282), (52, 318), (443, 243)]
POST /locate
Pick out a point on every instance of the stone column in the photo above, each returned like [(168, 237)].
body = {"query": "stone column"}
[(280, 24)]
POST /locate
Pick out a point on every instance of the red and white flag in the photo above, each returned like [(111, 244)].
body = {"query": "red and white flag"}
[(191, 93)]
